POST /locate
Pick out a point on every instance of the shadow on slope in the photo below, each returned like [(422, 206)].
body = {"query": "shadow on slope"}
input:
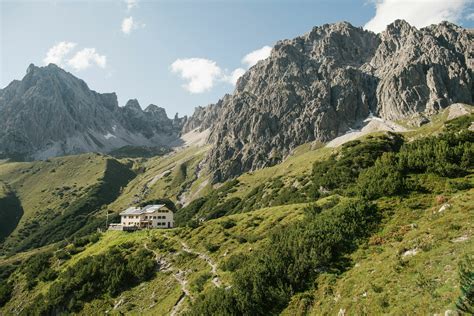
[(82, 216), (11, 211)]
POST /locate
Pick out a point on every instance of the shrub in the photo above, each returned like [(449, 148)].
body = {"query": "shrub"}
[(465, 302), (291, 261), (383, 179), (6, 289), (234, 262), (110, 273), (228, 224), (198, 283)]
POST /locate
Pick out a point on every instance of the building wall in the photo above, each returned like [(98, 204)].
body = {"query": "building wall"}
[(162, 218)]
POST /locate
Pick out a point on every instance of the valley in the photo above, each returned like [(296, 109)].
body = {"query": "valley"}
[(418, 232), (336, 179)]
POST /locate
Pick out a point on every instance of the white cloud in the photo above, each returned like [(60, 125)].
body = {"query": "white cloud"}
[(470, 16), (57, 53), (234, 76), (253, 57), (418, 13), (200, 73), (128, 25), (87, 57), (131, 4)]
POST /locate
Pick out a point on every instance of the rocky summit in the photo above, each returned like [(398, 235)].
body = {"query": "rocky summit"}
[(319, 85), (50, 113)]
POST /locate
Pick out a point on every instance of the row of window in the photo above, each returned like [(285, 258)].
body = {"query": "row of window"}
[(136, 224), (155, 217), (146, 217)]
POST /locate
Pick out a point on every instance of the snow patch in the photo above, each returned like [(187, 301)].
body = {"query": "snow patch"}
[(109, 136), (372, 124)]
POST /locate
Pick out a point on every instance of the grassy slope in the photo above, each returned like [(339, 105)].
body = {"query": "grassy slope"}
[(153, 180), (10, 211), (384, 278), (49, 189), (415, 281)]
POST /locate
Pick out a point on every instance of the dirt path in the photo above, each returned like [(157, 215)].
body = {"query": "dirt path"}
[(215, 277), (179, 275)]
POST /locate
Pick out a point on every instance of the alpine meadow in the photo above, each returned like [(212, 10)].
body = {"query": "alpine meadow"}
[(331, 173)]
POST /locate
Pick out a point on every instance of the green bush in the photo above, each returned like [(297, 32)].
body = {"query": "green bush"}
[(338, 172), (198, 284), (228, 224), (383, 179), (6, 289), (234, 262), (38, 267), (110, 273), (292, 260), (465, 302)]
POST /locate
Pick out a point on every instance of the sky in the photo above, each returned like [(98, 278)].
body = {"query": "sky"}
[(181, 54)]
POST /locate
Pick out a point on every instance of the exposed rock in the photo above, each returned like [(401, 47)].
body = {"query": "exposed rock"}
[(50, 112), (318, 86), (410, 252), (444, 207), (461, 239)]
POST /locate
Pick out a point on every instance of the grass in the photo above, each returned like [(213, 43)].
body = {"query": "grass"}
[(382, 280), (44, 186)]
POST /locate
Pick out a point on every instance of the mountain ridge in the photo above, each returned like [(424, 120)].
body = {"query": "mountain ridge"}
[(318, 86), (50, 112)]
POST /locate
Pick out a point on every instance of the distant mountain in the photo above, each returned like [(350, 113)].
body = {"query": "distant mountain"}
[(319, 85), (50, 112)]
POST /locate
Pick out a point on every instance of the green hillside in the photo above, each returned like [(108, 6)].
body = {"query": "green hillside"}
[(60, 196), (378, 225)]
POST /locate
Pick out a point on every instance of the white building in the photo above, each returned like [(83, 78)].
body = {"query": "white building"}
[(150, 216)]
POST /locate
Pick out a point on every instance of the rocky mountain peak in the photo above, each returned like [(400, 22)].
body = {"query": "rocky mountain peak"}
[(50, 112), (133, 104), (319, 85), (156, 111)]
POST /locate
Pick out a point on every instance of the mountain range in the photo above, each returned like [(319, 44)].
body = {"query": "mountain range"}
[(337, 179), (314, 87), (51, 113)]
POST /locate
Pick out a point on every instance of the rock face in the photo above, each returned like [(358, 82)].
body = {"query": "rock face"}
[(204, 117), (50, 112), (317, 86)]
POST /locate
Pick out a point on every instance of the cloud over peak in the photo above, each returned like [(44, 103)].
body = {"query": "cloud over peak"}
[(56, 54), (87, 57), (234, 76), (200, 73), (418, 13), (254, 57), (60, 54)]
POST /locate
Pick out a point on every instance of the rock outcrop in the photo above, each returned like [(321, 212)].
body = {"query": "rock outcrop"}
[(50, 113), (319, 85)]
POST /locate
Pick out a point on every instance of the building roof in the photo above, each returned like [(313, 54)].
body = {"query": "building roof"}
[(144, 210)]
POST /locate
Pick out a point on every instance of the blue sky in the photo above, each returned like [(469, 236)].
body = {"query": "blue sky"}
[(180, 54)]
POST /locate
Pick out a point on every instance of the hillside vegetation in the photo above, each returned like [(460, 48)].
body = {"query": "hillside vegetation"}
[(60, 197), (376, 226)]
